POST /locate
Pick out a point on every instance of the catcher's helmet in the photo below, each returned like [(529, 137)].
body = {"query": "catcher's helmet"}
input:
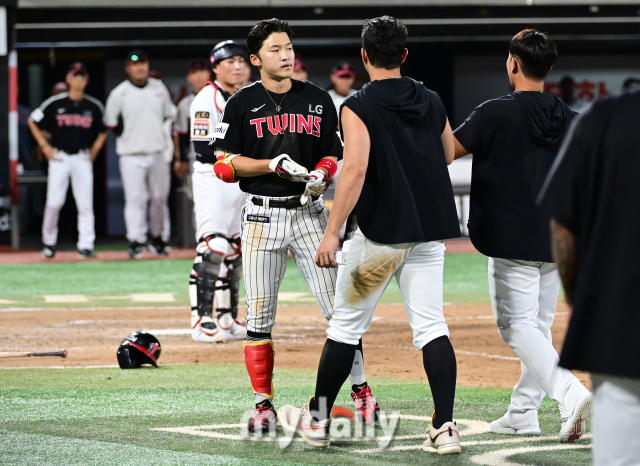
[(226, 49), (137, 349)]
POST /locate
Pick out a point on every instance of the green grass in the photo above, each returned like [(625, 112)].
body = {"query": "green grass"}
[(465, 280), (105, 416)]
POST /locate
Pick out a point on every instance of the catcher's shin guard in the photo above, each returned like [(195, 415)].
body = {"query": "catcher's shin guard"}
[(227, 290), (259, 359), (206, 269)]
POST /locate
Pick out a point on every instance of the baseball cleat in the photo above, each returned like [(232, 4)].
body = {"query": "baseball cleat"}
[(503, 426), (300, 421), (207, 332), (573, 427), (444, 440), (158, 247), (86, 254), (48, 252), (264, 419), (232, 328), (136, 250), (367, 408)]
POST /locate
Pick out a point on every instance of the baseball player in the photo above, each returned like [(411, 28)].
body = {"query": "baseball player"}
[(398, 143), (272, 134), (198, 74), (217, 268), (514, 140), (136, 110), (343, 78), (74, 121)]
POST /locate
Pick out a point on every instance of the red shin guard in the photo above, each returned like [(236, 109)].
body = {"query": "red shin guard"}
[(259, 359)]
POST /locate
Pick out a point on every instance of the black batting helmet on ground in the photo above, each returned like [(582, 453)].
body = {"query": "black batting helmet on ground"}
[(226, 49), (137, 349)]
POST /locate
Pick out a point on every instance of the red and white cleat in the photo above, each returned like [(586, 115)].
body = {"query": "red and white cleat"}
[(367, 408), (264, 420)]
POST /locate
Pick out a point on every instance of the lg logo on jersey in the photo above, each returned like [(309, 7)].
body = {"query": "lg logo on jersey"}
[(317, 110), (296, 123)]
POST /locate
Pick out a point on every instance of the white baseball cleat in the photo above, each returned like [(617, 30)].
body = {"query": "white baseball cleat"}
[(299, 421), (503, 426), (207, 332), (573, 427), (233, 329), (444, 440)]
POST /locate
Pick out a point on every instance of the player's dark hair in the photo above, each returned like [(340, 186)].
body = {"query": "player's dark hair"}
[(535, 52), (384, 39), (261, 31)]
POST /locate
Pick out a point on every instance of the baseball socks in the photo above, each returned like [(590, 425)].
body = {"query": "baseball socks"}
[(440, 365)]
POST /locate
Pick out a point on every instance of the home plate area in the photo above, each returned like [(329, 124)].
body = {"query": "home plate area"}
[(388, 433)]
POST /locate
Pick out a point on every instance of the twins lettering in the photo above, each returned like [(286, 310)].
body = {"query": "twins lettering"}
[(83, 121), (296, 123)]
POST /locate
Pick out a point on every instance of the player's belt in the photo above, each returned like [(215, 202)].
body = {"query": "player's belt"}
[(289, 203)]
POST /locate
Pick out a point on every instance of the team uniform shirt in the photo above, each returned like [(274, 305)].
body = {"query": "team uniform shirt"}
[(407, 195), (205, 112), (140, 113), (306, 128), (514, 140), (339, 99), (592, 191), (182, 125), (74, 126)]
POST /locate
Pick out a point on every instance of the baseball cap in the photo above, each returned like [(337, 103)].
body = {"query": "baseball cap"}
[(137, 56), (226, 49), (196, 65), (77, 68), (298, 64), (343, 69)]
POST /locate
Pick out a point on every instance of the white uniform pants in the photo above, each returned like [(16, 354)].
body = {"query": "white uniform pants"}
[(267, 235), (418, 269), (146, 179), (524, 295), (79, 169), (616, 430)]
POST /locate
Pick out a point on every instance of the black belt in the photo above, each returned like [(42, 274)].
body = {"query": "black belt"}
[(206, 158), (290, 203)]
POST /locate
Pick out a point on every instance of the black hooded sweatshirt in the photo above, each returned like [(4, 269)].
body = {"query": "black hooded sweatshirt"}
[(407, 195), (514, 140)]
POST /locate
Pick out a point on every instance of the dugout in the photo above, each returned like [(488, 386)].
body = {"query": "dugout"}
[(457, 47)]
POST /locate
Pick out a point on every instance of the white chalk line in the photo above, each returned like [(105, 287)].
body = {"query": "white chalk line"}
[(499, 457)]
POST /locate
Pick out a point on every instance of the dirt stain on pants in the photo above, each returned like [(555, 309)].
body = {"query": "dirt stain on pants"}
[(373, 273)]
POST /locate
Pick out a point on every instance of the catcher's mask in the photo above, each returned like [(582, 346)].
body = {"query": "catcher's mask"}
[(137, 349)]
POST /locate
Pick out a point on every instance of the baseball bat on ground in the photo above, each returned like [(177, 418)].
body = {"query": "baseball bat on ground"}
[(28, 354)]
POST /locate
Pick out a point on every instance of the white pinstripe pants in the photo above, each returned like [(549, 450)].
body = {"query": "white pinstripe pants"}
[(267, 235)]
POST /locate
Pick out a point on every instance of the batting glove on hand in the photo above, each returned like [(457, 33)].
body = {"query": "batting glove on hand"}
[(316, 182), (286, 168)]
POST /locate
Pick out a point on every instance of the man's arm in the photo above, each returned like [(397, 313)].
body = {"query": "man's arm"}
[(459, 151), (245, 167), (43, 143), (97, 145), (357, 144), (448, 143), (564, 245)]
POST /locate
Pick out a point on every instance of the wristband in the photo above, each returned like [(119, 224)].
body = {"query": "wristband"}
[(328, 165)]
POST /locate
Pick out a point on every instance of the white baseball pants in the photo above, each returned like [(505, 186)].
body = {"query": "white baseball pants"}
[(146, 180), (79, 169), (616, 430), (524, 295), (418, 269), (267, 235)]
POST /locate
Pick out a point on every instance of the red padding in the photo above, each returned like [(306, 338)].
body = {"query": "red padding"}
[(259, 358), (144, 351), (328, 165)]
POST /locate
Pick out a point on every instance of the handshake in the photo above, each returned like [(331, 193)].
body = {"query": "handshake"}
[(286, 168)]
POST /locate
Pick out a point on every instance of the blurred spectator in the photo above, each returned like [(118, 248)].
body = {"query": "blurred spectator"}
[(198, 73), (137, 110), (300, 69), (630, 83), (58, 88), (568, 95), (343, 78), (246, 75)]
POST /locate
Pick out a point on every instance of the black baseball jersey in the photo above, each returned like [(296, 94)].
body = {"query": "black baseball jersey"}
[(74, 126), (306, 128)]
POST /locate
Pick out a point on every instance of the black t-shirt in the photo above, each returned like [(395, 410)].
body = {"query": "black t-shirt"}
[(514, 140), (74, 126), (594, 191), (407, 195), (306, 128)]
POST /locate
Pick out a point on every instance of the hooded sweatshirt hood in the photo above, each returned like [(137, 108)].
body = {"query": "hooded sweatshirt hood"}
[(547, 115), (409, 99)]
